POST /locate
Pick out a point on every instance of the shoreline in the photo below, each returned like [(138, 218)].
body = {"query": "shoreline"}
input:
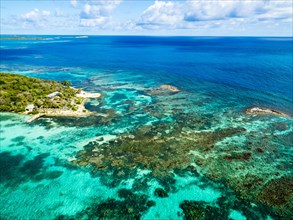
[(265, 111), (80, 112)]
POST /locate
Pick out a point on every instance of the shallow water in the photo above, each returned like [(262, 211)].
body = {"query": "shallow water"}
[(147, 153)]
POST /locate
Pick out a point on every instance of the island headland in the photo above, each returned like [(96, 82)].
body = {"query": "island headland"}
[(37, 97), (264, 111)]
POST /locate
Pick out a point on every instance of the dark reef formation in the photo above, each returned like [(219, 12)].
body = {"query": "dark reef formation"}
[(161, 148), (188, 142), (278, 193), (161, 193), (201, 211), (167, 147), (131, 206), (16, 170)]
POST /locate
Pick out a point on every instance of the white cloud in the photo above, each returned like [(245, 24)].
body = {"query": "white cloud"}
[(92, 22), (97, 12), (191, 13), (73, 3), (167, 17), (278, 10), (58, 12), (161, 13), (35, 16), (218, 10)]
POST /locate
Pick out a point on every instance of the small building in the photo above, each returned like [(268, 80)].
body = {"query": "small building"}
[(29, 107), (53, 94)]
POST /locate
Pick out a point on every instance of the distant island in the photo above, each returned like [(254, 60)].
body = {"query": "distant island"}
[(37, 97), (22, 38), (264, 111)]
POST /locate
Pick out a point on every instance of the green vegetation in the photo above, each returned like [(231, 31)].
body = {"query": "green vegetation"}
[(78, 101), (17, 91)]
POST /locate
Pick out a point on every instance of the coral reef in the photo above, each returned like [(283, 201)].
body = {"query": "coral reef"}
[(278, 193), (161, 193), (152, 147), (132, 206), (201, 211), (231, 155), (16, 170), (193, 210)]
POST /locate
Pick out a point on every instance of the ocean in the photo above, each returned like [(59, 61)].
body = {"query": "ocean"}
[(149, 153)]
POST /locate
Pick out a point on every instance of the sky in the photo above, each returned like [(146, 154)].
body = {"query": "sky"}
[(148, 17)]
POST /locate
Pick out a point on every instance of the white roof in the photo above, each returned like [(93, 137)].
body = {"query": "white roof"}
[(30, 107), (53, 94)]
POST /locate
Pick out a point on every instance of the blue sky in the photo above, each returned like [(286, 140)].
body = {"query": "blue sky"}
[(147, 17)]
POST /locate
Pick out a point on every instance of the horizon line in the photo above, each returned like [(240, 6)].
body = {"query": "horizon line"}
[(137, 35)]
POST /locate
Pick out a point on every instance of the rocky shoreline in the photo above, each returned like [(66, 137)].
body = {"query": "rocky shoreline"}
[(81, 111), (164, 89), (264, 111)]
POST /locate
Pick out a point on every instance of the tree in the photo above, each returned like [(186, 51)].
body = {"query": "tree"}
[(66, 83)]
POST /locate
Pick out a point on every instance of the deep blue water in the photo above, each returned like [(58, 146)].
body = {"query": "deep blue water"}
[(219, 77), (259, 67)]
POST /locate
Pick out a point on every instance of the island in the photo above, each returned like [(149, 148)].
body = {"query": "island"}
[(162, 90), (264, 111), (37, 97), (170, 88), (22, 38)]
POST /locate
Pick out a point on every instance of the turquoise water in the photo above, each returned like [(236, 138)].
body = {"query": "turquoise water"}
[(147, 153)]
